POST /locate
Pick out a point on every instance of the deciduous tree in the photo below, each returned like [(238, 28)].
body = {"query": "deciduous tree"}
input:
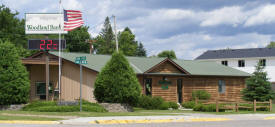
[(166, 53), (76, 40), (271, 45)]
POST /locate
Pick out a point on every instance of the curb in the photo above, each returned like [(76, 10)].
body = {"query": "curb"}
[(269, 118), (208, 119), (135, 121), (157, 121), (28, 122)]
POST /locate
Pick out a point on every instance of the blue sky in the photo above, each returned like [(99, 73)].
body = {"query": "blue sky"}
[(189, 27)]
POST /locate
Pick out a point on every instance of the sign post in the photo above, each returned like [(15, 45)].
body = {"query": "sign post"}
[(80, 60)]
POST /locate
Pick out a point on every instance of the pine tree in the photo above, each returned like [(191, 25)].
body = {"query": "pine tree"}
[(14, 82), (105, 40), (257, 86), (127, 43), (141, 50), (117, 82)]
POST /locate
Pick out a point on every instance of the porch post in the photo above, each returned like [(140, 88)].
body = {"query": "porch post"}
[(47, 75)]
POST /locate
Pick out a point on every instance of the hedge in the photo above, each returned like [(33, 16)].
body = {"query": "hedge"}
[(51, 106)]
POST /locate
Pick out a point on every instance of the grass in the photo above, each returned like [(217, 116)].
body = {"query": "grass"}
[(98, 114), (241, 112), (13, 115), (32, 118)]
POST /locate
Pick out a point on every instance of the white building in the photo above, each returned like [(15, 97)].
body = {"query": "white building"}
[(244, 59)]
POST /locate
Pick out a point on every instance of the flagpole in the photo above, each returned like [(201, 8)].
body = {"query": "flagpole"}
[(59, 54), (115, 32)]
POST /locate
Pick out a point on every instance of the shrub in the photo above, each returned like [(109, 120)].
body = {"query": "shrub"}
[(207, 108), (198, 107), (117, 82), (14, 79), (51, 106), (156, 102), (201, 95), (246, 105), (149, 102), (173, 105), (164, 106), (189, 104), (143, 101), (37, 104), (88, 108)]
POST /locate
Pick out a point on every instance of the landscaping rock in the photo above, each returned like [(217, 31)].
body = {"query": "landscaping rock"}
[(12, 107), (62, 103), (116, 107)]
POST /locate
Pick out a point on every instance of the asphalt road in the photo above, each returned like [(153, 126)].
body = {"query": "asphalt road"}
[(235, 123)]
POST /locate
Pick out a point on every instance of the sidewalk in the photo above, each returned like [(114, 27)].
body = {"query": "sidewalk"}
[(165, 119), (187, 117)]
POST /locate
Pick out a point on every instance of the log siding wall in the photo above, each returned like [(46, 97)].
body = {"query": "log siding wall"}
[(166, 67), (210, 84)]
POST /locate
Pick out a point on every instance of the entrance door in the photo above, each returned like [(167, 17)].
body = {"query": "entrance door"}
[(179, 90), (148, 86)]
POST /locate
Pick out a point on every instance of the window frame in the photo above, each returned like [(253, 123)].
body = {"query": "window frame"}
[(221, 86), (241, 63), (51, 89), (262, 62), (224, 62)]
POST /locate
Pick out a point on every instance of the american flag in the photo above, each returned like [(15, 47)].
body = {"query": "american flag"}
[(72, 19)]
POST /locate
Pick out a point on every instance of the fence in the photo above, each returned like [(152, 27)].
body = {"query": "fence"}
[(236, 105)]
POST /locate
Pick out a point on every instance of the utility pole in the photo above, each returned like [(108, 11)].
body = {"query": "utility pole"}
[(91, 45), (115, 32)]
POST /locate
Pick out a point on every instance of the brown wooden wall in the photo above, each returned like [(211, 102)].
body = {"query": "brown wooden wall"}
[(166, 67), (70, 89), (38, 74), (234, 85)]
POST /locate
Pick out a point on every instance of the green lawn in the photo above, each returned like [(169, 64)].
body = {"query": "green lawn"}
[(53, 116), (4, 117)]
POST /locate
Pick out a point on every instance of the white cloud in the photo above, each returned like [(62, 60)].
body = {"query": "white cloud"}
[(189, 46), (227, 15), (230, 15), (72, 4), (207, 37), (264, 15), (171, 14)]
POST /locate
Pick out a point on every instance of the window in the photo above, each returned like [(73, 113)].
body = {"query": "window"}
[(241, 63), (224, 63), (221, 86), (41, 88), (262, 62)]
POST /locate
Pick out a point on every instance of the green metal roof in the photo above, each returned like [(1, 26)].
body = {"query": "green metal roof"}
[(142, 64), (209, 68)]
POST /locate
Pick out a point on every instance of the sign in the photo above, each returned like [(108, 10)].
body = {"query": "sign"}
[(44, 23), (81, 60), (46, 44), (164, 84)]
